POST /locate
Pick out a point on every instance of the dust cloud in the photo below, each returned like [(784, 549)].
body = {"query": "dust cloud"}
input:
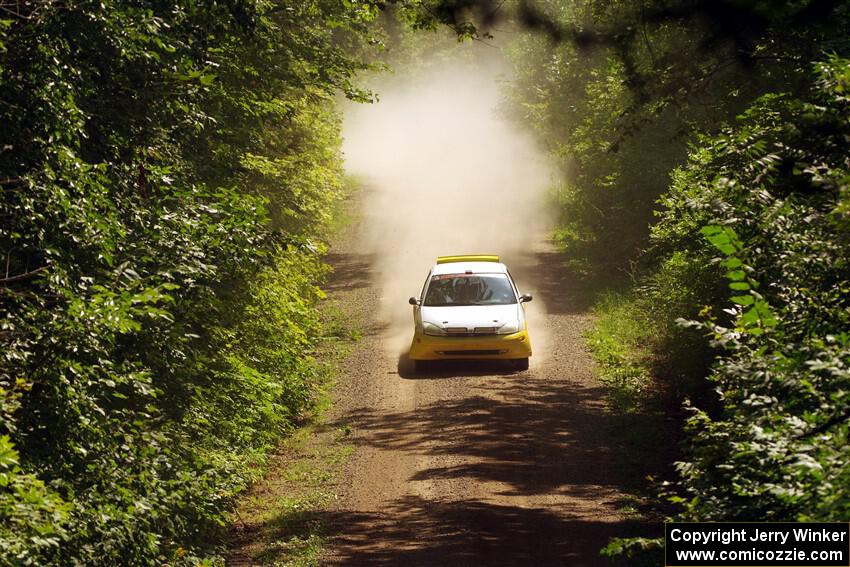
[(443, 173)]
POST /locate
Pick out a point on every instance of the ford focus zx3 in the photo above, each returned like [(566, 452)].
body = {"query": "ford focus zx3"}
[(470, 308)]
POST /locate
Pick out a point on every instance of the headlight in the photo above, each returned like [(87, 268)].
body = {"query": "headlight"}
[(508, 328), (432, 329)]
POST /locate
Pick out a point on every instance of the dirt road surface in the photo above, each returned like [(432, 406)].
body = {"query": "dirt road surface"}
[(475, 464)]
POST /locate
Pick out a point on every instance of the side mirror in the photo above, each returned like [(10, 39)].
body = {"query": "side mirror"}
[(525, 298), (413, 301)]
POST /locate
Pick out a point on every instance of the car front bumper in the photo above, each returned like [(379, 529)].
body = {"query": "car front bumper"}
[(489, 347)]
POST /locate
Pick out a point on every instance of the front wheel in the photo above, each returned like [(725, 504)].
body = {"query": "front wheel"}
[(521, 364)]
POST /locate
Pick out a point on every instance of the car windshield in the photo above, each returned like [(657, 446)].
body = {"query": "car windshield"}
[(469, 289)]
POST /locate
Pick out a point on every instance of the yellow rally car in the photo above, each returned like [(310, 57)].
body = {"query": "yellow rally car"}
[(470, 308)]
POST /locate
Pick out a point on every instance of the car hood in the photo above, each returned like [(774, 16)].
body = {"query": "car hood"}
[(471, 316)]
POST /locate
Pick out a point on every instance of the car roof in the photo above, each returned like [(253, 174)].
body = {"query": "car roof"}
[(474, 267)]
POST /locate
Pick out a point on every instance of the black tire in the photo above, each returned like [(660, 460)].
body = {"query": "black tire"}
[(521, 364)]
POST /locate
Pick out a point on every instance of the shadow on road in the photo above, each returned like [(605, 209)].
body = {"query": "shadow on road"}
[(532, 438), (423, 532), (529, 439), (350, 271)]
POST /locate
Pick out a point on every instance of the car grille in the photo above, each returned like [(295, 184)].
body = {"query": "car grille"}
[(465, 332)]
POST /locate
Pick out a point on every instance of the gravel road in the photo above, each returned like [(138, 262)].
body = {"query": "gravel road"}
[(475, 464)]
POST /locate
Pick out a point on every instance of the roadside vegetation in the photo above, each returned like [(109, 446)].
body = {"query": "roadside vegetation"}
[(166, 172)]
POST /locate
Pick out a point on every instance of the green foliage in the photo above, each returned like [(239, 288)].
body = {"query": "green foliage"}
[(619, 344), (34, 516), (162, 170), (751, 251), (262, 376), (643, 354), (769, 193), (756, 315), (637, 551), (759, 208)]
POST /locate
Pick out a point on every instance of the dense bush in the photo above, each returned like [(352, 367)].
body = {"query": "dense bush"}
[(770, 195), (768, 198), (163, 168)]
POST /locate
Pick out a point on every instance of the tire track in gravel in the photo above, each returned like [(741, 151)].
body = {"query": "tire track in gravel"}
[(474, 463)]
